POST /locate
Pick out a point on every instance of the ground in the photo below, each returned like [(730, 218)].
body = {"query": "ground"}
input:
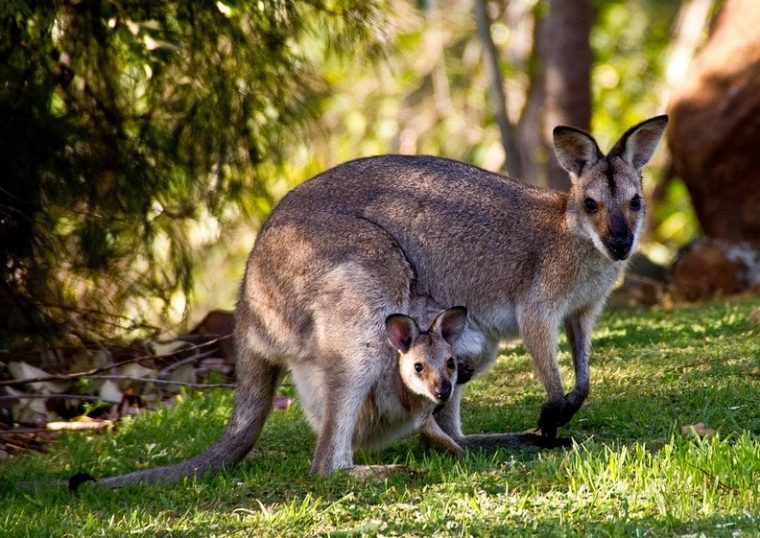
[(633, 471)]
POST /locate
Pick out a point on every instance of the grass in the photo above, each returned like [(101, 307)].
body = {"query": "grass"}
[(632, 473)]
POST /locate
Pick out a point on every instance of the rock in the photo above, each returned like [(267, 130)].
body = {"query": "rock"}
[(710, 267)]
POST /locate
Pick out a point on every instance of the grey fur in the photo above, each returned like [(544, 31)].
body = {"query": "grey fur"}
[(360, 242)]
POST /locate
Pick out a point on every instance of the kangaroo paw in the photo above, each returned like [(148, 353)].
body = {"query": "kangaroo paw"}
[(555, 414)]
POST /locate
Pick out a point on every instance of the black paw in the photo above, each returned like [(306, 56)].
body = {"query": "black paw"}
[(555, 414), (464, 373)]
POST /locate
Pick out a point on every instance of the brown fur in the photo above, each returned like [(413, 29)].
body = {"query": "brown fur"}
[(404, 399), (348, 248)]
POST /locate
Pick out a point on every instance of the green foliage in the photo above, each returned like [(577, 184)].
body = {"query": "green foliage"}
[(632, 473), (133, 133), (631, 41), (674, 219), (130, 128)]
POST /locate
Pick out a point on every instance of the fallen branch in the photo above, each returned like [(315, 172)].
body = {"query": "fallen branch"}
[(721, 485), (163, 381), (169, 369), (79, 425), (27, 431), (51, 397), (86, 373)]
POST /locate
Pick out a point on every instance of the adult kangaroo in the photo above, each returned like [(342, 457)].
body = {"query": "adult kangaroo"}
[(348, 248)]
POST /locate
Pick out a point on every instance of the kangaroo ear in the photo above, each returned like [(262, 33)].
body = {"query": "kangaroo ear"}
[(450, 323), (575, 149), (402, 331), (638, 143)]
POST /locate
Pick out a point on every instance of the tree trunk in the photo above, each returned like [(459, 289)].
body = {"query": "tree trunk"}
[(567, 74), (715, 126), (496, 87), (533, 149)]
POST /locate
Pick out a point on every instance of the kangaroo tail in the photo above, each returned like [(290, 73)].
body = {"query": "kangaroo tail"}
[(257, 381)]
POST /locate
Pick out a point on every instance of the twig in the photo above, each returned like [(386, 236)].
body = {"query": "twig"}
[(85, 373), (173, 366), (28, 431), (26, 447), (163, 381), (51, 396), (725, 488)]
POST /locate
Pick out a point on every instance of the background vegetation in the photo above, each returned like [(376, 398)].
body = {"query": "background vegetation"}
[(131, 131), (144, 143)]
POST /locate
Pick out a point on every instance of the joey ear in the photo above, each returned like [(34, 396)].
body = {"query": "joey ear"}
[(638, 143), (402, 331), (450, 323), (575, 149)]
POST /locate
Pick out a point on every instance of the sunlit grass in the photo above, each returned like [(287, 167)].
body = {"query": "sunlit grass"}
[(633, 471)]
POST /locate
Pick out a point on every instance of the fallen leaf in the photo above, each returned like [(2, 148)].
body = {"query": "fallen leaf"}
[(30, 410), (21, 371), (754, 317), (698, 429), (167, 348), (110, 392)]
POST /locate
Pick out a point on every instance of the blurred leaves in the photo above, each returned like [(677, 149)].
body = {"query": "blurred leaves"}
[(134, 134), (129, 129)]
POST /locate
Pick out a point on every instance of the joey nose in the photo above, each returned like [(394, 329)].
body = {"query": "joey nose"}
[(620, 246), (443, 391)]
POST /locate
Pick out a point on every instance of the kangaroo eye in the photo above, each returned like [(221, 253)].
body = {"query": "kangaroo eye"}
[(590, 205), (636, 203), (418, 367), (451, 363)]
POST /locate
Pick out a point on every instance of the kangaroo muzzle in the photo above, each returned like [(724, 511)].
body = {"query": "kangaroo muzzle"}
[(443, 391), (619, 246), (619, 242)]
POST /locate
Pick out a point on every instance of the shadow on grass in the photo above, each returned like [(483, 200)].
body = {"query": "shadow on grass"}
[(653, 413), (621, 525)]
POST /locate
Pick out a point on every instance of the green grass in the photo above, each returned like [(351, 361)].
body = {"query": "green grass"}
[(632, 473)]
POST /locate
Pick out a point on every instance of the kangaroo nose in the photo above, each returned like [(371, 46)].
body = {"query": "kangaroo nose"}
[(443, 392), (620, 245)]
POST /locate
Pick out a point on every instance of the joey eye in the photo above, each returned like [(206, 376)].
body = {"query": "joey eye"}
[(636, 203), (590, 205), (418, 367), (451, 363)]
